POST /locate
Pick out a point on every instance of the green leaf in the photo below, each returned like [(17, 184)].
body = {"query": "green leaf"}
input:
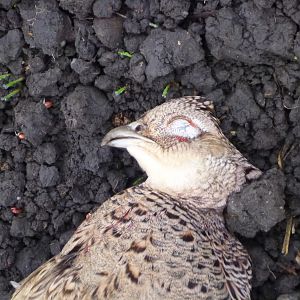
[(121, 90), (13, 83), (3, 76), (166, 90), (125, 53), (10, 95)]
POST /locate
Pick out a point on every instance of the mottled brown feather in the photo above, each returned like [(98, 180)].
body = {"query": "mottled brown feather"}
[(156, 255)]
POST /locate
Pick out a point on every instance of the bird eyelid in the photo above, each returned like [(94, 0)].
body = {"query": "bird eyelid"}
[(137, 126), (183, 118), (184, 127)]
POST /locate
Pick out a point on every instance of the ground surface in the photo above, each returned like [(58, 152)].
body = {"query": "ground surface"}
[(244, 55)]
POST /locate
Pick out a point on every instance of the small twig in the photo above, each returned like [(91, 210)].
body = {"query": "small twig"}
[(121, 15), (290, 107), (290, 270), (283, 154), (272, 273), (116, 185)]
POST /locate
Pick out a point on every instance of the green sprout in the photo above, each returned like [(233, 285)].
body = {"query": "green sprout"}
[(11, 94), (4, 76), (166, 90), (153, 25), (120, 90), (125, 54), (13, 83), (10, 84)]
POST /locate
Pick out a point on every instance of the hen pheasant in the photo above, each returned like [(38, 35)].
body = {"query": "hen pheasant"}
[(166, 238)]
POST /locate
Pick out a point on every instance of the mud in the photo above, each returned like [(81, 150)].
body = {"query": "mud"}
[(243, 55)]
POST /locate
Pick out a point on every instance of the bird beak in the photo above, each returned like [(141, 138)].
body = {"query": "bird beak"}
[(124, 137)]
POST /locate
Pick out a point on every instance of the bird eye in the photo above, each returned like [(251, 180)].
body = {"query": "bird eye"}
[(138, 128), (184, 128)]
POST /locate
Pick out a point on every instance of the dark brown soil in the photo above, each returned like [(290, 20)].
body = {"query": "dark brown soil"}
[(243, 55)]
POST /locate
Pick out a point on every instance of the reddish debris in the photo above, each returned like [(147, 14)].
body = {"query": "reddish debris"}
[(48, 103), (181, 139), (20, 135), (16, 210)]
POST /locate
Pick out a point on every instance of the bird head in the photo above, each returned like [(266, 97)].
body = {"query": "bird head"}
[(184, 153)]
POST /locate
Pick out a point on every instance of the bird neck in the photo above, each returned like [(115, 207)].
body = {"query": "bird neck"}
[(204, 175), (194, 199), (207, 182), (194, 205)]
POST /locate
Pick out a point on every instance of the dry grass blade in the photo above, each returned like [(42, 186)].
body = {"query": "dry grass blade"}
[(280, 159), (283, 154), (287, 236), (297, 258)]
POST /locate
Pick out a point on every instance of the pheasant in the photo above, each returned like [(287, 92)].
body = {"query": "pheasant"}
[(165, 238)]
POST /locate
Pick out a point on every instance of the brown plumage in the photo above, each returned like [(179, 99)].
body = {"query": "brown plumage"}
[(166, 238)]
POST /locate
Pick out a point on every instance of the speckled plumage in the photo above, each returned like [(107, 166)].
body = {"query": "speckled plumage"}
[(152, 243)]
